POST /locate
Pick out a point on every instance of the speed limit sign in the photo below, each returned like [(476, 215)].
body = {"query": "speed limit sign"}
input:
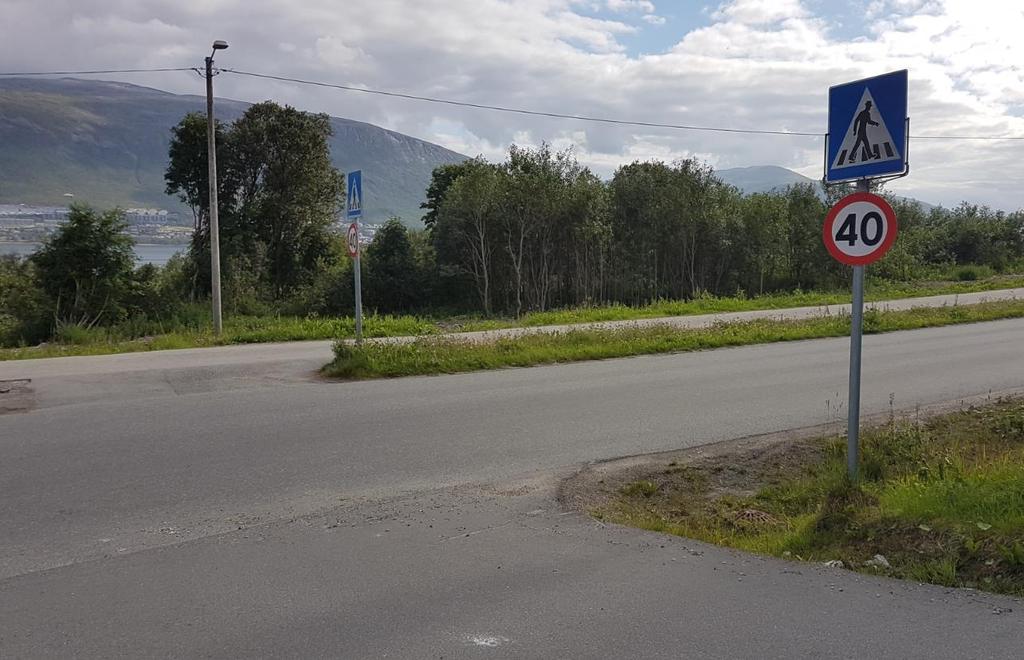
[(859, 229), (352, 239)]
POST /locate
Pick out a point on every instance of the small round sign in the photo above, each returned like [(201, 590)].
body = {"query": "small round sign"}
[(859, 229), (352, 238)]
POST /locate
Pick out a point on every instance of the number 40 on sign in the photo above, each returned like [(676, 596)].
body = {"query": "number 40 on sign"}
[(860, 229)]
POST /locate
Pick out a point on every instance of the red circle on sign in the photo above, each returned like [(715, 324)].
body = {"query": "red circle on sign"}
[(860, 256), (353, 240)]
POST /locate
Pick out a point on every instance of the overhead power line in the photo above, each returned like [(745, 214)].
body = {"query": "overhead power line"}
[(497, 108), (95, 72), (521, 111), (603, 120), (967, 137)]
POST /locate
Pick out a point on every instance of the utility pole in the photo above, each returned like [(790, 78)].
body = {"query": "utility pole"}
[(211, 159)]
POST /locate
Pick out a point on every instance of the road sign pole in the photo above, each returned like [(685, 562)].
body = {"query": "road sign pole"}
[(354, 209), (856, 331), (359, 290)]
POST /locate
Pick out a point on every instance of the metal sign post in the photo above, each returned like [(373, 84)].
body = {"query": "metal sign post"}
[(858, 230), (359, 297), (856, 332), (354, 209), (868, 139)]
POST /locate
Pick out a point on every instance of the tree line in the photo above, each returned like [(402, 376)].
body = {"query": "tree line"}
[(536, 231), (539, 231)]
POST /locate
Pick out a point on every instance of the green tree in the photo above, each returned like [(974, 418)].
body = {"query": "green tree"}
[(469, 216), (278, 195), (25, 311), (441, 180), (810, 265), (287, 191), (763, 248), (532, 208), (391, 273), (187, 174), (187, 177), (86, 267), (672, 229)]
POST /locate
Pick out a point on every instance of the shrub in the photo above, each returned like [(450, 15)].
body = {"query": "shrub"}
[(86, 267), (25, 311), (972, 273)]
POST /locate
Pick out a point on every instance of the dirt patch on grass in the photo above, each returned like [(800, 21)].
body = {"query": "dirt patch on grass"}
[(735, 467), (941, 498)]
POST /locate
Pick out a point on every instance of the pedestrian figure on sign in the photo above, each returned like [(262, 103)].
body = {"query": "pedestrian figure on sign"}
[(860, 127)]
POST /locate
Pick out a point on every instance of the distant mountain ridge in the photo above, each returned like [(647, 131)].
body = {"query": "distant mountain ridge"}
[(762, 178), (106, 143), (772, 178)]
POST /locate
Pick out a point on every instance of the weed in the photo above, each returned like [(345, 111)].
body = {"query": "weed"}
[(189, 324), (437, 355), (1012, 553), (640, 488), (944, 502), (936, 571)]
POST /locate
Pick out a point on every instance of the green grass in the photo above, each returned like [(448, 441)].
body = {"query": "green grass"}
[(876, 291), (942, 500), (76, 340), (195, 330), (438, 355)]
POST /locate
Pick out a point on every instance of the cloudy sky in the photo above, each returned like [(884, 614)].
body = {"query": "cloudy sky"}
[(762, 64)]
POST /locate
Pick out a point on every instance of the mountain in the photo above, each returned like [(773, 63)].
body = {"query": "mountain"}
[(106, 143), (761, 178), (769, 178)]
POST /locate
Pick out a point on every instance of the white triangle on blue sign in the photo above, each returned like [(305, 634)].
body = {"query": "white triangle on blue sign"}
[(353, 199), (867, 140)]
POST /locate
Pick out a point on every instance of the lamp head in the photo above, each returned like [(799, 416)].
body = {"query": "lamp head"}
[(220, 45)]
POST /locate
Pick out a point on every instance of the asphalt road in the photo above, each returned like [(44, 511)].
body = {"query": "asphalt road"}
[(251, 510)]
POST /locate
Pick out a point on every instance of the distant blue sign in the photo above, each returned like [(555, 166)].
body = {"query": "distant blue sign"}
[(354, 194), (867, 128)]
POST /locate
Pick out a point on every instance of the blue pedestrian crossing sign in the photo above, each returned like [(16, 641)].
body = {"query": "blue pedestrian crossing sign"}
[(354, 194), (867, 128)]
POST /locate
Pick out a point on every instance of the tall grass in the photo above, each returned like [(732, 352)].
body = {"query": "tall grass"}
[(438, 355), (941, 499), (189, 325)]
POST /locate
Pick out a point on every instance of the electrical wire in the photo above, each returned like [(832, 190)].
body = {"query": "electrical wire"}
[(967, 137), (521, 111), (497, 108), (603, 120), (95, 72)]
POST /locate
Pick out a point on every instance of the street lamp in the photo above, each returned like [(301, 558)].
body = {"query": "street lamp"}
[(211, 159)]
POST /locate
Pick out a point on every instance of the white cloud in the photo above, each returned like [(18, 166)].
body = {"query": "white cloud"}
[(654, 19), (334, 52), (759, 64), (760, 12), (630, 5)]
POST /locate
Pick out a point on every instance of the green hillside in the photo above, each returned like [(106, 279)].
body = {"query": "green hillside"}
[(106, 143)]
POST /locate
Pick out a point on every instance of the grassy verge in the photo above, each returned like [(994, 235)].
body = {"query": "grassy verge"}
[(195, 332), (437, 355), (940, 500), (876, 291), (237, 330)]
